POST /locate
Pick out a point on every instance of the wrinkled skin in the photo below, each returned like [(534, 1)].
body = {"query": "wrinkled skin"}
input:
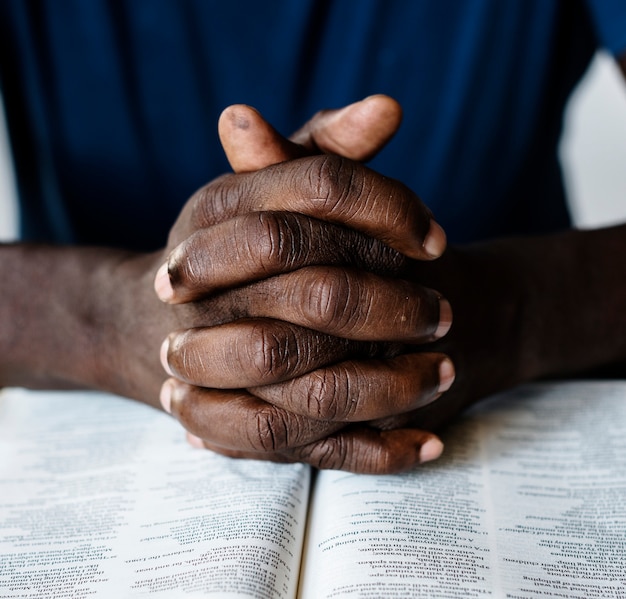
[(319, 323), (314, 379), (390, 390), (300, 376)]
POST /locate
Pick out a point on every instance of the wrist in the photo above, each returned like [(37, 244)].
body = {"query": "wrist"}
[(130, 323), (578, 301), (531, 308), (66, 317)]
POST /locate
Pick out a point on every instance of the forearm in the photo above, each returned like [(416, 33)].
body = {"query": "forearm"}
[(63, 318), (577, 303), (529, 308)]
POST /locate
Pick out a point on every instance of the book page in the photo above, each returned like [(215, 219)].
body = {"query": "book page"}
[(529, 500), (102, 497)]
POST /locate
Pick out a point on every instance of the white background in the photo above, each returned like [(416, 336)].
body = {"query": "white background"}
[(593, 152)]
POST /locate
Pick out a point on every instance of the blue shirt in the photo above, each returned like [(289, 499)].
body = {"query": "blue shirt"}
[(112, 106)]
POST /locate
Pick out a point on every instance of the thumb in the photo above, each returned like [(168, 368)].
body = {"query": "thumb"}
[(357, 131), (251, 143)]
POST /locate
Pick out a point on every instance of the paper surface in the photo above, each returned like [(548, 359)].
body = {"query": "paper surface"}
[(528, 501), (102, 497)]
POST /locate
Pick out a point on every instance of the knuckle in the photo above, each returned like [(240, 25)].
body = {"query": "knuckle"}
[(330, 453), (217, 201), (333, 180), (343, 452), (278, 239), (373, 458), (329, 396), (346, 191), (383, 461), (270, 430), (271, 351), (331, 300)]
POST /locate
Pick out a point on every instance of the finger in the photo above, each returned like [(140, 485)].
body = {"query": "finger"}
[(359, 450), (348, 303), (332, 189), (235, 420), (357, 131), (262, 244), (247, 353), (361, 390), (250, 142), (364, 450)]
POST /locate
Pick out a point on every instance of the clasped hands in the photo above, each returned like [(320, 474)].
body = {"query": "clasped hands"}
[(310, 331)]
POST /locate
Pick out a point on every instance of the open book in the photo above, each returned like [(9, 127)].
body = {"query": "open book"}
[(101, 497)]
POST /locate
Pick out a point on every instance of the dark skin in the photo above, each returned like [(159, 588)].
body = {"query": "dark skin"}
[(96, 321), (523, 309), (331, 394)]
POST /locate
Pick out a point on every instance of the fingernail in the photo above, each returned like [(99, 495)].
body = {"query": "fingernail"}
[(431, 450), (167, 390), (163, 285), (446, 375), (445, 318), (435, 241), (165, 346), (194, 441)]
